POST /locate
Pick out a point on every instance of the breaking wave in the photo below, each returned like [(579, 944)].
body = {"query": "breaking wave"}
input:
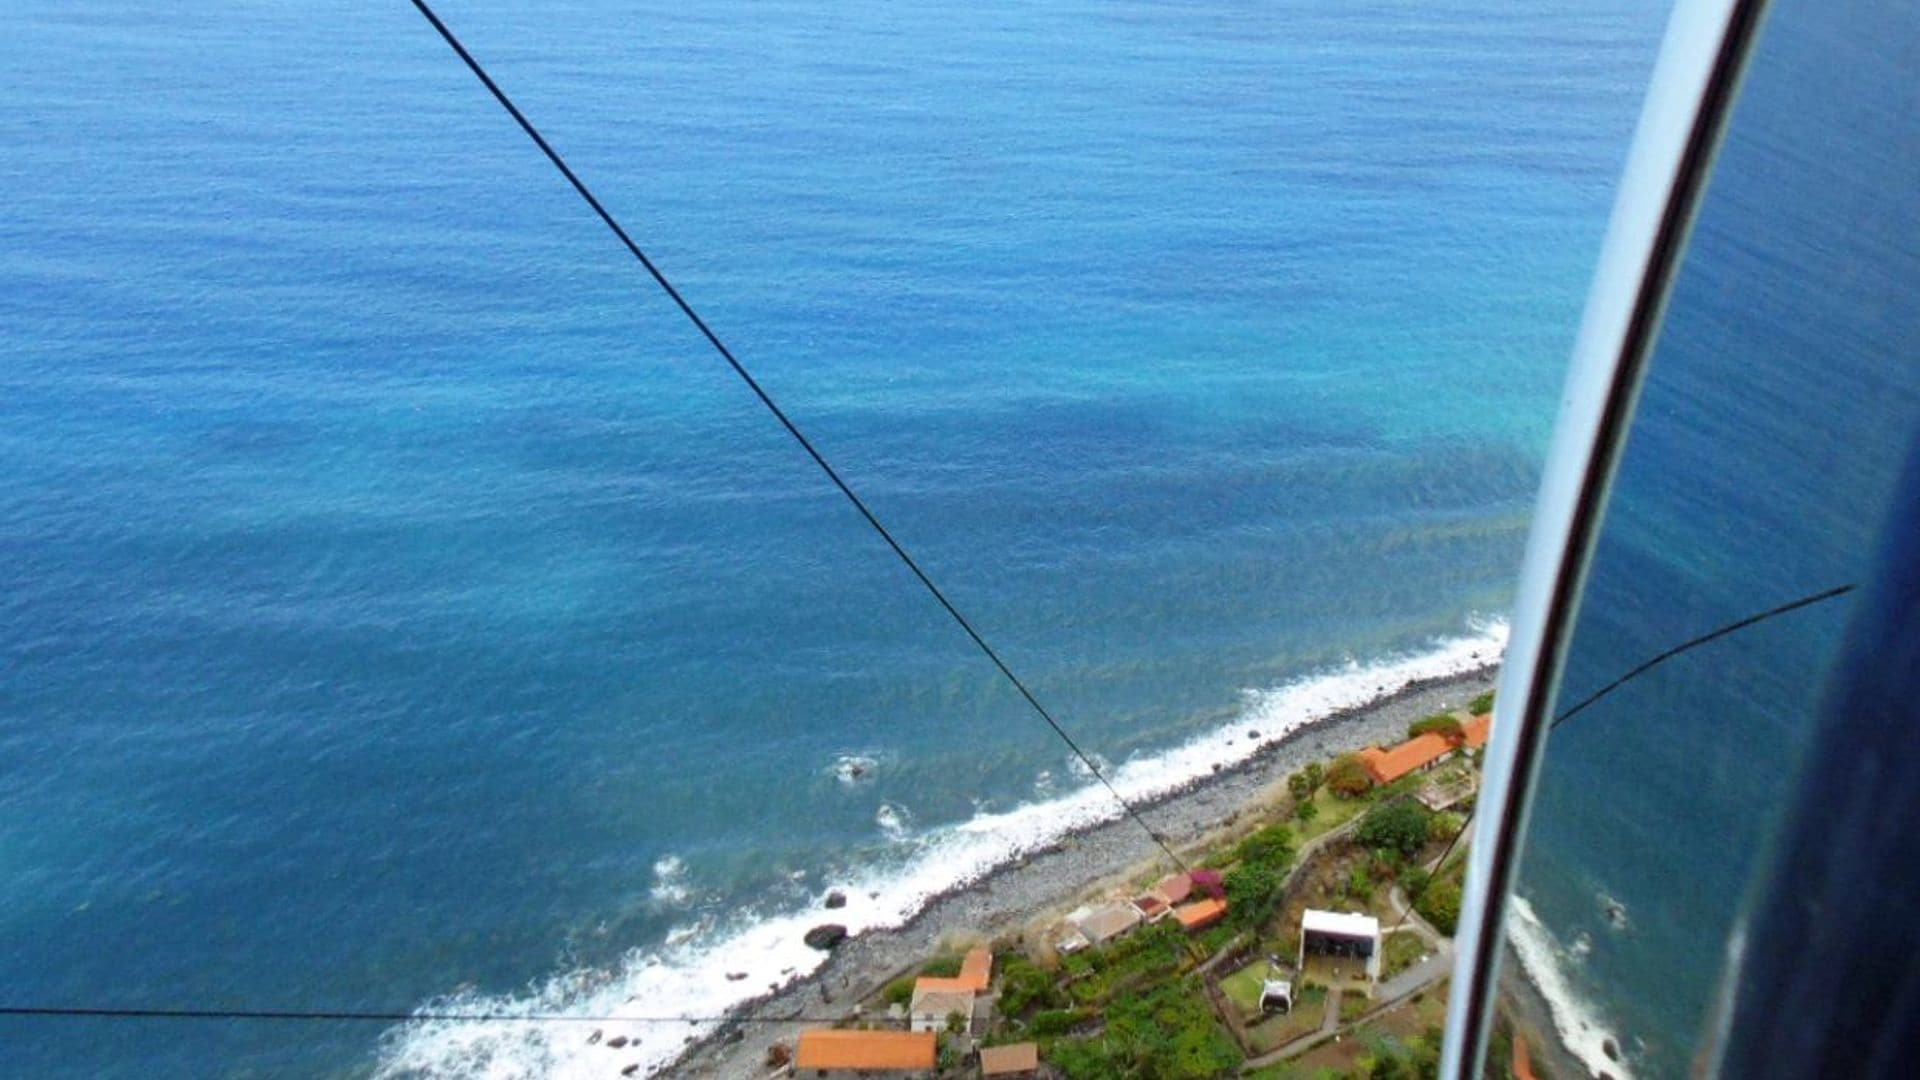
[(1576, 1018), (690, 974)]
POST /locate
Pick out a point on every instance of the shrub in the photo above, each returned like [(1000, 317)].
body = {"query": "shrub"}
[(1306, 810), (942, 967), (1024, 986), (1347, 777), (1402, 825), (1272, 845), (899, 991), (1439, 904), (1441, 724), (1482, 704), (1054, 1022)]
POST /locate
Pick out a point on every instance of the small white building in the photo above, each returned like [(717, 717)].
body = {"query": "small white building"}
[(1341, 934), (931, 1007)]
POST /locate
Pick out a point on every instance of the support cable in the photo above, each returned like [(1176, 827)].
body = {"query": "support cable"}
[(793, 429)]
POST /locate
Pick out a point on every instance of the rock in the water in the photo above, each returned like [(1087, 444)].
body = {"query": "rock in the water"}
[(631, 1070), (617, 1041), (736, 976), (593, 1038), (1253, 734), (733, 1036), (836, 899), (826, 936), (1609, 1048)]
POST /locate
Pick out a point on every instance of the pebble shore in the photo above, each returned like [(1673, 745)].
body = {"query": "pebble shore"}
[(1029, 894)]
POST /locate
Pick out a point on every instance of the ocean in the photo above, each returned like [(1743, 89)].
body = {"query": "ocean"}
[(399, 604)]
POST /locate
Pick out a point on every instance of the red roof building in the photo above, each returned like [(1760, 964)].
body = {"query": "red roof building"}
[(866, 1051), (1200, 914), (1475, 731), (1419, 752)]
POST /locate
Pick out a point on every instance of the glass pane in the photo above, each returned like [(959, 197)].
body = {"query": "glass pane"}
[(1777, 410)]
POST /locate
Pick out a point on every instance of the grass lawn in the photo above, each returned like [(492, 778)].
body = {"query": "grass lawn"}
[(1334, 812), (1401, 951), (1279, 1030), (1243, 988), (1353, 1007)]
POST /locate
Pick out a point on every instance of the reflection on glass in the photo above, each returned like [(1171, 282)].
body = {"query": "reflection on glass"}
[(1775, 416)]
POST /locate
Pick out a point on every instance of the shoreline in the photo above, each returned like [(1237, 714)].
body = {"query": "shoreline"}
[(1025, 894)]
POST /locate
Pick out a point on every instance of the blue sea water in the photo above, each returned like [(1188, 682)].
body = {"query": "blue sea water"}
[(397, 599)]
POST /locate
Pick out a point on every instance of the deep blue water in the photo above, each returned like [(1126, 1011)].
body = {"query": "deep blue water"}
[(396, 597)]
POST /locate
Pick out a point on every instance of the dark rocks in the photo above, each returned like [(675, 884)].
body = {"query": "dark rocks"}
[(733, 1035), (1253, 734), (593, 1038), (617, 1042), (1611, 1049), (825, 936), (836, 899), (631, 1070), (736, 976)]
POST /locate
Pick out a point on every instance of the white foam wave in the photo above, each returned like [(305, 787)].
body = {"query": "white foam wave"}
[(1575, 1017), (850, 769), (893, 820), (688, 977), (670, 887)]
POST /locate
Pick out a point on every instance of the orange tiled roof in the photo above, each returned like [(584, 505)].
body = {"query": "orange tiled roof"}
[(1201, 913), (977, 968), (902, 1050), (1005, 1060), (1522, 1061), (928, 984), (1475, 731), (1386, 766)]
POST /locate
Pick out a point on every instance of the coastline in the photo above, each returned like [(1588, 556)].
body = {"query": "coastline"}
[(1027, 892)]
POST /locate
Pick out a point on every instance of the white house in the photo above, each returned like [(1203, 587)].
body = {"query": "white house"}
[(1341, 934)]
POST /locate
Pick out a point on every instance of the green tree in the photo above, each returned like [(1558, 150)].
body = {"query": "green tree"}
[(1402, 825), (1306, 810), (1481, 705), (1252, 888), (1348, 777)]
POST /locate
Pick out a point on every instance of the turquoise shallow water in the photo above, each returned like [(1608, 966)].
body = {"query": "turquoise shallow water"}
[(399, 600)]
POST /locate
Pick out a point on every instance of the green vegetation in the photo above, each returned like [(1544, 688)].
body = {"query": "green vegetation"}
[(1439, 904), (1169, 1031), (1481, 705), (1353, 1007), (1401, 951), (1024, 985), (899, 991), (1304, 783), (943, 967), (1309, 1009), (1442, 724), (1402, 826), (1348, 777), (1054, 1022), (1272, 845), (1306, 810), (1150, 954)]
